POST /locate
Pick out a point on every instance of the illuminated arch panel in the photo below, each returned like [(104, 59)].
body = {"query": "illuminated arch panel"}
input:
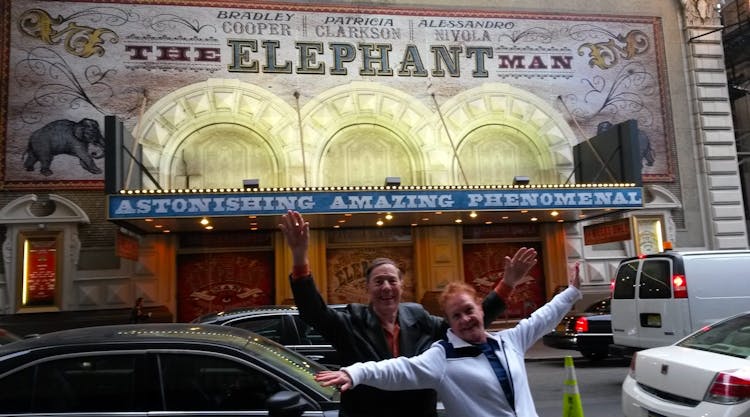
[(531, 137), (256, 123)]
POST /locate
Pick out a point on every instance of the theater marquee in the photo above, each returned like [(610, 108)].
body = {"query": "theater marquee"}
[(155, 205)]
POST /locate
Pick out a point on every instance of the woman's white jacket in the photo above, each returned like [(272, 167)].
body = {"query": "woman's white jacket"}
[(465, 381)]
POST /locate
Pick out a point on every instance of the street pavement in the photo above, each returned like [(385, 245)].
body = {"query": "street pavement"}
[(540, 352)]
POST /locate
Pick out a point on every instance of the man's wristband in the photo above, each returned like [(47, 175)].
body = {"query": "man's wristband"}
[(299, 271)]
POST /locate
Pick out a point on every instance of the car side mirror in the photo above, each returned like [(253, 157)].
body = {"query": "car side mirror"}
[(286, 404)]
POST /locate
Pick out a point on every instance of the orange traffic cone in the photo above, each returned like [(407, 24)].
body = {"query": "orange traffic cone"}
[(572, 406)]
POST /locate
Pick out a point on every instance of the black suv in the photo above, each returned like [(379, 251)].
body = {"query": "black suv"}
[(281, 324), (589, 332)]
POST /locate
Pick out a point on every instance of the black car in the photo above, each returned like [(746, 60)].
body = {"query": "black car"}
[(167, 369), (589, 332), (283, 325)]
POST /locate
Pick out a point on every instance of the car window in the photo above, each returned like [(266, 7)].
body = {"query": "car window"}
[(655, 279), (268, 326), (307, 334), (625, 281), (731, 337), (106, 383), (199, 382), (15, 396)]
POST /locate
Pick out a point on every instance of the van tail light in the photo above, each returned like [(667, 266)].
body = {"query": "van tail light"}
[(582, 325), (729, 387), (679, 286)]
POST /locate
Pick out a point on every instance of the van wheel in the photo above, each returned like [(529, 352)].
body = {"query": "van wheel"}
[(594, 355)]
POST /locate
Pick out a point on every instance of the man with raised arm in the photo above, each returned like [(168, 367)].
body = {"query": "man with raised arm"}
[(385, 327)]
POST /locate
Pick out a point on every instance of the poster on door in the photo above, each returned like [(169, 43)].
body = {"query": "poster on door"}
[(41, 272), (483, 268), (212, 282)]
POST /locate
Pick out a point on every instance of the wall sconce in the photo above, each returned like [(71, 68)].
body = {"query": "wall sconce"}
[(520, 180), (392, 181), (251, 183)]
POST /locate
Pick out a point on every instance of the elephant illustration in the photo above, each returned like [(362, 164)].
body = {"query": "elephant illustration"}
[(80, 139)]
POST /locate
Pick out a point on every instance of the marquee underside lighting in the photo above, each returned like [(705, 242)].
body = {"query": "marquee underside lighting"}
[(374, 188)]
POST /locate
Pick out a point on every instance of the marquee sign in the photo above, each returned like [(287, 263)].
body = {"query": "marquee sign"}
[(154, 205)]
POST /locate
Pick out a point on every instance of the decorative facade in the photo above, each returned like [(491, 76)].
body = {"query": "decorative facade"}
[(317, 103)]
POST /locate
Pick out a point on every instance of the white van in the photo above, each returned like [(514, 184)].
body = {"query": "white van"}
[(660, 298)]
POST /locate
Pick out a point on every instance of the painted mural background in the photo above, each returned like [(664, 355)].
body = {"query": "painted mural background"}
[(484, 267), (69, 64), (212, 282), (346, 272)]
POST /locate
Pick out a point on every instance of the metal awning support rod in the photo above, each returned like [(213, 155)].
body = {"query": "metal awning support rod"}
[(453, 146), (301, 138), (143, 168)]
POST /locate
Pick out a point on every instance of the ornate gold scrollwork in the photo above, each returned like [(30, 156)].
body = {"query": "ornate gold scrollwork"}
[(605, 55), (81, 41)]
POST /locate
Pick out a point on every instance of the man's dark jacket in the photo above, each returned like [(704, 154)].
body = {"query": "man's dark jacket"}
[(357, 336)]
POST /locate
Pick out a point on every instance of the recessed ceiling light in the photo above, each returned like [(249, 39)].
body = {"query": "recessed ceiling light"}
[(473, 214)]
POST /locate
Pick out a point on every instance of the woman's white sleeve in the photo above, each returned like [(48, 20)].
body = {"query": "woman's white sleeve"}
[(418, 372)]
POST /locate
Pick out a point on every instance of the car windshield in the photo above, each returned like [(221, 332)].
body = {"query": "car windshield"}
[(729, 337), (296, 365)]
